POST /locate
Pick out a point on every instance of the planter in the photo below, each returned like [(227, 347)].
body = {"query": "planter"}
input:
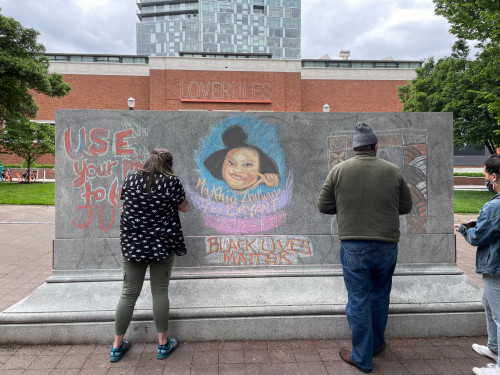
[(462, 180)]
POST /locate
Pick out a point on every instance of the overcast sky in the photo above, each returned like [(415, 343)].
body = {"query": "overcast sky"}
[(402, 29)]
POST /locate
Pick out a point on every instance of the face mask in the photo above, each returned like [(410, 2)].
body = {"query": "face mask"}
[(489, 186)]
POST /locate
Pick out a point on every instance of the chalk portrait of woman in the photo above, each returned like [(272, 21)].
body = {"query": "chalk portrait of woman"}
[(240, 165)]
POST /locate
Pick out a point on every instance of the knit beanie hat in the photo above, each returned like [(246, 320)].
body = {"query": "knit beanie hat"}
[(363, 135)]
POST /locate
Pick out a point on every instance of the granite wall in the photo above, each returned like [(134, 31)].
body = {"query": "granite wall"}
[(261, 222)]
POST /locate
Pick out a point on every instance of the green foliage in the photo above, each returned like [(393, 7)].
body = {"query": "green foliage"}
[(472, 19), (468, 174), (470, 202), (27, 139), (23, 67), (450, 85), (21, 194), (478, 20)]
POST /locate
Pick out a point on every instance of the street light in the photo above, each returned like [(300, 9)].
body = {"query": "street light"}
[(131, 103), (326, 108)]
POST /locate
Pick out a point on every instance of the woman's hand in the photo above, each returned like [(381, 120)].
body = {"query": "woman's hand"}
[(184, 206)]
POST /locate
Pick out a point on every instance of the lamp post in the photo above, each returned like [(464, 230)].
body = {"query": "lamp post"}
[(131, 103), (326, 108)]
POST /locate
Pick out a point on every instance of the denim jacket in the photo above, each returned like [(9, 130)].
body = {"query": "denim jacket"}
[(486, 236)]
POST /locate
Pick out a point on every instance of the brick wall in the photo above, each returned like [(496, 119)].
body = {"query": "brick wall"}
[(14, 159), (351, 96), (96, 92)]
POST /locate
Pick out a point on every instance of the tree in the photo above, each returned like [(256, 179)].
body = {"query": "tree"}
[(478, 20), (472, 19), (448, 85), (23, 67), (28, 140)]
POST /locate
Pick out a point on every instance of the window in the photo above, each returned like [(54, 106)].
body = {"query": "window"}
[(275, 12), (385, 65), (409, 65), (362, 65), (258, 9), (224, 39)]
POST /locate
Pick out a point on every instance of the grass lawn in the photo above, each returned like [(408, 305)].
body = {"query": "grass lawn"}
[(34, 193), (470, 202)]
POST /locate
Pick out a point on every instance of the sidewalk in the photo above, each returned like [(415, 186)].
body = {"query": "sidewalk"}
[(27, 262)]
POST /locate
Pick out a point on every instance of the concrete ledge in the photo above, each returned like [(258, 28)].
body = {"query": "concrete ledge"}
[(258, 328), (239, 308)]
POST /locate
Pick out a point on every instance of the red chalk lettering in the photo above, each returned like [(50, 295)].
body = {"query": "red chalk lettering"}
[(306, 245), (294, 245), (271, 259), (282, 257), (97, 194), (228, 257), (100, 145), (121, 144), (80, 172), (114, 194), (86, 224), (213, 245), (262, 247), (241, 259), (249, 247), (232, 246), (111, 221), (283, 247)]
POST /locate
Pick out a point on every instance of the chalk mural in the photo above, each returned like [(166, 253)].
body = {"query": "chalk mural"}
[(98, 157), (408, 150), (243, 184), (257, 250)]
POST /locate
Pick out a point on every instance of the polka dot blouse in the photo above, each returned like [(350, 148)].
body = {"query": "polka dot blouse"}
[(150, 228)]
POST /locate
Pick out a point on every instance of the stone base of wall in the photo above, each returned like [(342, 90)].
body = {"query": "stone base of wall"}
[(241, 308)]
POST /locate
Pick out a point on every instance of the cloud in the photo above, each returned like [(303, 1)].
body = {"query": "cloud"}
[(404, 29)]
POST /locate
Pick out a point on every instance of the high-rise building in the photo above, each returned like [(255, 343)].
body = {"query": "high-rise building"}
[(270, 28)]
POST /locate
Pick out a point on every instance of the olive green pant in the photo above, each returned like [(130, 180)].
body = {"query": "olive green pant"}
[(133, 278)]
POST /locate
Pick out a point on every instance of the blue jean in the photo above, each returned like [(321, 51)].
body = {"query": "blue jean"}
[(368, 267), (491, 304)]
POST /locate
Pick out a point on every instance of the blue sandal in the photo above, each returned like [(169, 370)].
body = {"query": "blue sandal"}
[(117, 353), (165, 350)]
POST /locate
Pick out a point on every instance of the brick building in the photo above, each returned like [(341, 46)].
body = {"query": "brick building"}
[(224, 83)]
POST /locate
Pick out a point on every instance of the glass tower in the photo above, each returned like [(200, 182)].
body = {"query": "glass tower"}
[(168, 27)]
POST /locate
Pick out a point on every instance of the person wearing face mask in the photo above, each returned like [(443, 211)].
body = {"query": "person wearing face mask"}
[(485, 234)]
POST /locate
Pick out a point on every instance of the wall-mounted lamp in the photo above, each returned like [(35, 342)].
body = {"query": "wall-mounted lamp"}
[(131, 103), (326, 108)]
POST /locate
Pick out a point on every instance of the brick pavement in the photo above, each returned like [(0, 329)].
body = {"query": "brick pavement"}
[(27, 261)]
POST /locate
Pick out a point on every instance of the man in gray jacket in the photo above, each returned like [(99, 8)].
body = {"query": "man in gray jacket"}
[(367, 194)]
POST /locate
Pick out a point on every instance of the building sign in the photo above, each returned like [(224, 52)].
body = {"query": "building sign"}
[(226, 92)]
